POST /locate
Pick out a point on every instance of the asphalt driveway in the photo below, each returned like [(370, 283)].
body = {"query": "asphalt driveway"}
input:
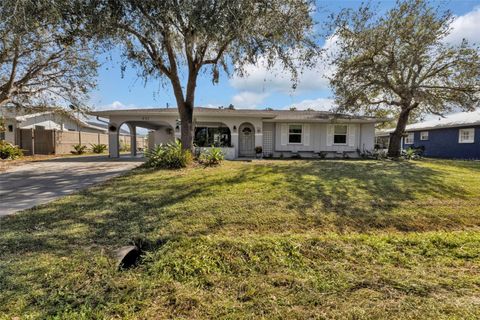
[(31, 184)]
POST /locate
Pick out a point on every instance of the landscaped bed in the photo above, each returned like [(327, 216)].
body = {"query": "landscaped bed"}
[(273, 239)]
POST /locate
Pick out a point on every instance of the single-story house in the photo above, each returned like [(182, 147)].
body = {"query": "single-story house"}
[(280, 133), (455, 136), (47, 120)]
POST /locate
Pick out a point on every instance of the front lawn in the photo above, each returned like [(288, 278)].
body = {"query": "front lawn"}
[(272, 239)]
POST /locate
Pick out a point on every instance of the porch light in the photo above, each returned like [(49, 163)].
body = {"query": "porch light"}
[(234, 128), (177, 128)]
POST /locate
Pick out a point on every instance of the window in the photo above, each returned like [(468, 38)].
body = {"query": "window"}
[(340, 134), (466, 136), (409, 138), (295, 133), (2, 136), (424, 135), (10, 128), (208, 136)]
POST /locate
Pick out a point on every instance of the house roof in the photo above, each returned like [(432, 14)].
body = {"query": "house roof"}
[(460, 119), (273, 115), (25, 116)]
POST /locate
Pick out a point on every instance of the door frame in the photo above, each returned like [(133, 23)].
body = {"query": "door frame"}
[(240, 137)]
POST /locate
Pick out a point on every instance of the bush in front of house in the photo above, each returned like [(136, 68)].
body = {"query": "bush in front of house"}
[(79, 149), (211, 157), (168, 156), (9, 152), (99, 148), (412, 153)]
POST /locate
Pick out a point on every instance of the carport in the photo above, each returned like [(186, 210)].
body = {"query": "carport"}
[(160, 122)]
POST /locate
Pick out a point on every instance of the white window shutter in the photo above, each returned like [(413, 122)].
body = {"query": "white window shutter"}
[(306, 134), (283, 134), (330, 129), (352, 133)]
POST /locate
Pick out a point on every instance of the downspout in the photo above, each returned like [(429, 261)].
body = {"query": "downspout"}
[(98, 119)]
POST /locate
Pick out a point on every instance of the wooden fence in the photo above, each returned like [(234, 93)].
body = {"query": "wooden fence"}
[(41, 141)]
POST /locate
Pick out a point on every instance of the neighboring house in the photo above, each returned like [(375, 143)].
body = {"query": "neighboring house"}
[(47, 120), (280, 133), (456, 136)]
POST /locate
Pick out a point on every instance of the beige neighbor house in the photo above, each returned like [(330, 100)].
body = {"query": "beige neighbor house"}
[(44, 121), (280, 133), (51, 132)]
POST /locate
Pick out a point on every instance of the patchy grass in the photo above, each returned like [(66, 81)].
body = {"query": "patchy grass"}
[(279, 239)]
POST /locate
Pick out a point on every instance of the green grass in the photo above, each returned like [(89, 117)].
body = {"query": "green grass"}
[(276, 240)]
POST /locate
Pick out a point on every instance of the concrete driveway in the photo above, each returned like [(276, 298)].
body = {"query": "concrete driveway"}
[(31, 184)]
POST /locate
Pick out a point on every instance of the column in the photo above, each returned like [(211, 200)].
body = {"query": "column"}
[(113, 151)]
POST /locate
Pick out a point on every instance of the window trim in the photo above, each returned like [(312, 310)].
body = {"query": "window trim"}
[(412, 134), (471, 135), (422, 137), (346, 135), (301, 133)]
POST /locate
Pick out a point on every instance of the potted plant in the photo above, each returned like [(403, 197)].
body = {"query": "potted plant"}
[(258, 151)]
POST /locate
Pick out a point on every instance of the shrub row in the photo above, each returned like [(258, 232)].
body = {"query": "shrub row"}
[(173, 156)]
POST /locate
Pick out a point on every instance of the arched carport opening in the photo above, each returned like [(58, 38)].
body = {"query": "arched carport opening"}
[(134, 137)]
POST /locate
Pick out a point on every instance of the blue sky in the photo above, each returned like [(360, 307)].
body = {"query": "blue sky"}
[(261, 88)]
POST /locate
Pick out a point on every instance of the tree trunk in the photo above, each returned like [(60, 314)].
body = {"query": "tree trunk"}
[(186, 120), (395, 145)]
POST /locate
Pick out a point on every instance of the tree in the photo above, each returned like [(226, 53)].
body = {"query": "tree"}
[(177, 40), (400, 64), (43, 60)]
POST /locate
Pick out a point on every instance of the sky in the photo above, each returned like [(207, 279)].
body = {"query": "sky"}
[(261, 88)]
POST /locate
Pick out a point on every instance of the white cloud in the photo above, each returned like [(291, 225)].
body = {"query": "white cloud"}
[(320, 104), (465, 27), (261, 81), (116, 105), (248, 99)]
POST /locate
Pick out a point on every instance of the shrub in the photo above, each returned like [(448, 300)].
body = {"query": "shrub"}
[(258, 149), (212, 156), (79, 149), (124, 147), (376, 154), (9, 151), (99, 148), (412, 153), (168, 156)]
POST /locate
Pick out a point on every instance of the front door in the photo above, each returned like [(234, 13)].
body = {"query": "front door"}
[(247, 141)]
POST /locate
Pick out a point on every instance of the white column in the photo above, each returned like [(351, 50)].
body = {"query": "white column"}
[(113, 151), (133, 140)]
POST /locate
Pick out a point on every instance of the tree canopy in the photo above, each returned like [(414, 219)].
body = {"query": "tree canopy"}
[(400, 64), (43, 59), (176, 40)]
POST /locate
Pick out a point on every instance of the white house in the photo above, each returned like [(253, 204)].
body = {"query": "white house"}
[(280, 133), (48, 120)]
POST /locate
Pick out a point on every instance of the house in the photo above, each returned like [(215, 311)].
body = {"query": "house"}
[(48, 120), (280, 133), (456, 136)]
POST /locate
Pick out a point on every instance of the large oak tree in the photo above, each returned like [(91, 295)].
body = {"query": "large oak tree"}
[(44, 60), (178, 40), (400, 64)]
